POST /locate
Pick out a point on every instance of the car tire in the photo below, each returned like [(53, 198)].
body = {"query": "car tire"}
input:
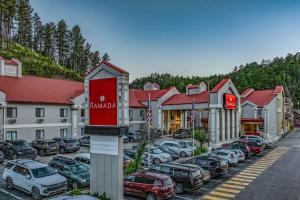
[(182, 154), (35, 194), (41, 152), (179, 188), (74, 185), (150, 196), (9, 183), (156, 161), (62, 150)]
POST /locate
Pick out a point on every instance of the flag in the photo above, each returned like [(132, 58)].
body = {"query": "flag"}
[(193, 111), (149, 113)]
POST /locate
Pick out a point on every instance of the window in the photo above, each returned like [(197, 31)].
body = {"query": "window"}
[(11, 135), (82, 112), (63, 112), (64, 132), (142, 113), (259, 112), (130, 115), (21, 170), (140, 180), (39, 134), (11, 112), (40, 112)]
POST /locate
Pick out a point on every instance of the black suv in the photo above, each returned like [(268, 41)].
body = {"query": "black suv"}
[(45, 147), (76, 173), (214, 165), (15, 149), (67, 144), (186, 177)]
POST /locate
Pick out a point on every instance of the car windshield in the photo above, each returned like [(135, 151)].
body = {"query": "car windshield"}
[(167, 182), (21, 144), (156, 151), (77, 169), (43, 171), (70, 141), (196, 173)]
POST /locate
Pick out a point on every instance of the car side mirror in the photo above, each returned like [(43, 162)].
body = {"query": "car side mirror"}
[(28, 176)]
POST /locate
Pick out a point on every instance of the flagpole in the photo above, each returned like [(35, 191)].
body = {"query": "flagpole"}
[(149, 130), (194, 128)]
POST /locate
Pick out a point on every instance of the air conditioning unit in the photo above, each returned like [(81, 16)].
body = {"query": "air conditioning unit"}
[(39, 121), (12, 121), (64, 120)]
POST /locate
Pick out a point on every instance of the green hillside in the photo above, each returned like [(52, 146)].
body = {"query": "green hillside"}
[(38, 65), (279, 71)]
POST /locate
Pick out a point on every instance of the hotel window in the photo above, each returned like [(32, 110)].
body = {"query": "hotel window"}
[(259, 112), (11, 112), (39, 134), (11, 135), (63, 112), (82, 112), (40, 112), (64, 132), (130, 115)]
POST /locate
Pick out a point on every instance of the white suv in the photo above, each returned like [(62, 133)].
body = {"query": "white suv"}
[(180, 150), (228, 155), (33, 177)]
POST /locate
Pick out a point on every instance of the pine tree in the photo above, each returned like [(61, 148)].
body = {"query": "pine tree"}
[(77, 48), (37, 33), (24, 21), (49, 40), (106, 57), (61, 41), (95, 58), (7, 12)]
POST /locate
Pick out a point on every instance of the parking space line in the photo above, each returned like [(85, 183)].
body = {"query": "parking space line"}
[(2, 190), (237, 183), (245, 176), (253, 171), (241, 179), (249, 174), (227, 190), (256, 167), (222, 194), (233, 186), (213, 198)]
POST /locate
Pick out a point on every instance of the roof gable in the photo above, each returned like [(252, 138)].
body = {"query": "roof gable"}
[(177, 99)]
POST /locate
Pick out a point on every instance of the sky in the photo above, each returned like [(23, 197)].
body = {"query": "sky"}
[(181, 37)]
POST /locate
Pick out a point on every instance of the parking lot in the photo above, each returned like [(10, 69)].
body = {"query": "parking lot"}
[(207, 187)]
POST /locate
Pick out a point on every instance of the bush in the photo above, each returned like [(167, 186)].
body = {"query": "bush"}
[(201, 136), (134, 165), (101, 197), (200, 150), (75, 192)]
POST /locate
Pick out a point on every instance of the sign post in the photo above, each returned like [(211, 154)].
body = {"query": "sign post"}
[(107, 117)]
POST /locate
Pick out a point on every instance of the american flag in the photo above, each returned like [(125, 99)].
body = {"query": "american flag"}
[(193, 111), (149, 113)]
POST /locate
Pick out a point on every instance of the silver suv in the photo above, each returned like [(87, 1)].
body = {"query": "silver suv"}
[(33, 177)]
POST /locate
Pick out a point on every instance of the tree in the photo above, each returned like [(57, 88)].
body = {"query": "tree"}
[(61, 42), (201, 137), (37, 33), (95, 58), (49, 45), (7, 12), (105, 57), (24, 21), (77, 48)]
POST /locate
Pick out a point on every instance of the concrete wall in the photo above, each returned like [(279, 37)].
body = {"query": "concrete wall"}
[(136, 120)]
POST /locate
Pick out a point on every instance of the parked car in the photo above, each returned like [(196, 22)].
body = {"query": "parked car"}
[(125, 139), (126, 160), (67, 144), (239, 153), (182, 133), (158, 155), (255, 148), (242, 146), (254, 138), (164, 149), (186, 177), (84, 141), (149, 185), (83, 158), (134, 136), (131, 154), (77, 173), (228, 155), (175, 146), (45, 147), (33, 177), (2, 157), (187, 144), (214, 165), (14, 149)]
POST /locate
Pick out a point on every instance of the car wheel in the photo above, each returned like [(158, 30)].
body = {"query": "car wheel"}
[(36, 195), (62, 150), (150, 196), (41, 152), (156, 161), (74, 185), (178, 188), (9, 184), (182, 154)]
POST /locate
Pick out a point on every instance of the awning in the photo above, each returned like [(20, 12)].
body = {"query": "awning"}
[(252, 121)]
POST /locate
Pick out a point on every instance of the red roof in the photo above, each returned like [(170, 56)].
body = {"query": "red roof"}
[(220, 85), (10, 62), (261, 97), (247, 91), (31, 89), (190, 86), (133, 100), (177, 99), (278, 89), (110, 65)]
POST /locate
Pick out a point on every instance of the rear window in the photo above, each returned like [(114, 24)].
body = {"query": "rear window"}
[(196, 173), (167, 182)]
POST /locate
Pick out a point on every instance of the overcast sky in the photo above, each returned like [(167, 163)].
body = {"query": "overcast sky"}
[(186, 37)]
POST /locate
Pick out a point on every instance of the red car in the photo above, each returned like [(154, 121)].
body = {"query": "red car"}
[(149, 185), (254, 147)]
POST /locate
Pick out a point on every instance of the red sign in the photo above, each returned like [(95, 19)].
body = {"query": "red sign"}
[(103, 102), (229, 101)]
